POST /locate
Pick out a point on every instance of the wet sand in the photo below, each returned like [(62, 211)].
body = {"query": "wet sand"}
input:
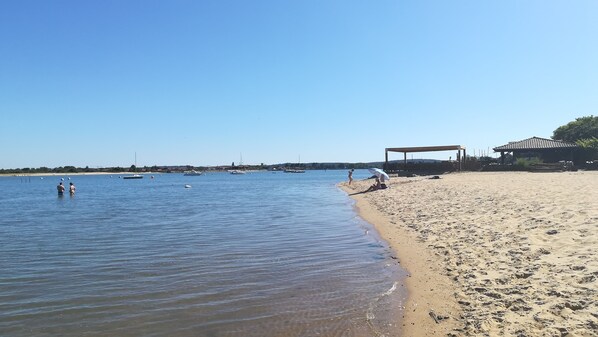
[(492, 254)]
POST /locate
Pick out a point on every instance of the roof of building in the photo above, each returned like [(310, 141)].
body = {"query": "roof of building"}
[(425, 148), (535, 143)]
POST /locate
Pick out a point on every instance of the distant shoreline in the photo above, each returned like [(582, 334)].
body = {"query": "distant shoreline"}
[(66, 174)]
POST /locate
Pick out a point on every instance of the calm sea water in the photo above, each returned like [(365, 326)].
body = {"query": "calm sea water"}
[(261, 254)]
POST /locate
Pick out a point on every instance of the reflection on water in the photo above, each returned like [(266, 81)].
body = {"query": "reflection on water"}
[(261, 254)]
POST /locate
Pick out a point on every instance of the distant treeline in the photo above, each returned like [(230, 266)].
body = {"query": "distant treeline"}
[(62, 169), (182, 168)]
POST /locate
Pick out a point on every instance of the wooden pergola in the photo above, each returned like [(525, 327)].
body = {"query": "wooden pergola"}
[(405, 150)]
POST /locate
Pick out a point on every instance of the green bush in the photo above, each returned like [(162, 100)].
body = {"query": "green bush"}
[(587, 151), (526, 162)]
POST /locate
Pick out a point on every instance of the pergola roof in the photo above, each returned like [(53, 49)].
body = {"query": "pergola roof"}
[(406, 150), (534, 144), (425, 148)]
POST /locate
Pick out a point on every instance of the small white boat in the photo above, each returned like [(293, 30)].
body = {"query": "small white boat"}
[(192, 173), (134, 176), (236, 172), (294, 171)]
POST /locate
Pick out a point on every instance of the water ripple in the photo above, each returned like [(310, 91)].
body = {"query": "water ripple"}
[(256, 255)]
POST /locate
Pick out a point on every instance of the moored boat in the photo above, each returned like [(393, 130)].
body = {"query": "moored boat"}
[(236, 172), (134, 176), (192, 173)]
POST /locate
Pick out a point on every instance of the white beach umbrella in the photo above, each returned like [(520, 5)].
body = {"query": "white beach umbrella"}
[(379, 173)]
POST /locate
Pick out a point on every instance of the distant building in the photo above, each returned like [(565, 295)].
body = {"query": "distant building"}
[(548, 150)]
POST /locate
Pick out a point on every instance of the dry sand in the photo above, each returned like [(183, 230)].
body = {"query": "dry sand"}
[(493, 254)]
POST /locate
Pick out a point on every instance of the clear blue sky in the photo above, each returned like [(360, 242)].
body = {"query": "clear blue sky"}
[(91, 83)]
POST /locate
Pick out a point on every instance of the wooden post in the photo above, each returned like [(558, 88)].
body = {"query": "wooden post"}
[(386, 159), (405, 160)]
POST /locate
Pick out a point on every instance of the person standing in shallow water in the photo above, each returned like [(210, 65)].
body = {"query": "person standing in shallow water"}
[(60, 188), (351, 176), (72, 188)]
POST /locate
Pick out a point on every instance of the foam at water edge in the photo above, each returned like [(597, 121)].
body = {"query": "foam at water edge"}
[(370, 312)]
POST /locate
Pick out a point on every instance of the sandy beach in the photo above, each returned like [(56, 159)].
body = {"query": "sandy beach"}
[(492, 254)]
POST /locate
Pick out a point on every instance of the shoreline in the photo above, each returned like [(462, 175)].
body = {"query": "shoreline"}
[(492, 253), (68, 174), (427, 290), (52, 174)]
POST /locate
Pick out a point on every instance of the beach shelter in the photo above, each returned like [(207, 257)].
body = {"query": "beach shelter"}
[(549, 149), (460, 152)]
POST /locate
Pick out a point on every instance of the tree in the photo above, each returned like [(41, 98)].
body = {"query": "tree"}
[(583, 132), (580, 129), (588, 148)]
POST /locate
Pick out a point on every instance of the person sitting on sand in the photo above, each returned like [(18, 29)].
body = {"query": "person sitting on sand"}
[(376, 186), (382, 183)]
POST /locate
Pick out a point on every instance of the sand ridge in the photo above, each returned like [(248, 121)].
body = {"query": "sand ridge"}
[(518, 251)]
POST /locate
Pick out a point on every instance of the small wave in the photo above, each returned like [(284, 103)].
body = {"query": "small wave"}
[(370, 316), (391, 290)]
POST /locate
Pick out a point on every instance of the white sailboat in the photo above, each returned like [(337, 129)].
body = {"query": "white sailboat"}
[(295, 170), (239, 171), (134, 176)]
